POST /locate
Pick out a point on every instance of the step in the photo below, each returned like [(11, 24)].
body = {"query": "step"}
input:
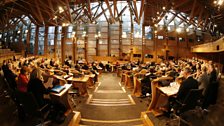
[(127, 122)]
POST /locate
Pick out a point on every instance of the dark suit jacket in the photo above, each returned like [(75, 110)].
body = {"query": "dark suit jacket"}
[(37, 88), (186, 86)]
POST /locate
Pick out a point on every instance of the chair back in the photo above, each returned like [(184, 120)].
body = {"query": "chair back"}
[(191, 100), (28, 102)]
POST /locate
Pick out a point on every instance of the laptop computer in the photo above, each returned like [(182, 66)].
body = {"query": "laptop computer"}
[(58, 88)]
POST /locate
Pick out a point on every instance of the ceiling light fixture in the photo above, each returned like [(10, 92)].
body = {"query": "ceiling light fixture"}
[(60, 9), (178, 30)]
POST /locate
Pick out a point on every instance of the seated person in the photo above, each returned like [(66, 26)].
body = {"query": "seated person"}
[(188, 84), (101, 65), (85, 66), (10, 76), (146, 82), (36, 86), (22, 80), (108, 67)]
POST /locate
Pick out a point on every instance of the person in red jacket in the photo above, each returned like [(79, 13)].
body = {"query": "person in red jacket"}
[(22, 80)]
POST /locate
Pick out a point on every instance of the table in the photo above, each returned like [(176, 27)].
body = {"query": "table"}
[(62, 97), (158, 98), (137, 91), (80, 83)]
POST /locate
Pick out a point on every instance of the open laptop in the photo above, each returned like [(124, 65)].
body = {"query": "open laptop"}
[(58, 88)]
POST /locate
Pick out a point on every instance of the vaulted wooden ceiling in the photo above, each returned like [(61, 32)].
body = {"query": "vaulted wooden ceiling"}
[(201, 13)]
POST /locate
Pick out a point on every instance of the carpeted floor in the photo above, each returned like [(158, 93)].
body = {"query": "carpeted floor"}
[(110, 105)]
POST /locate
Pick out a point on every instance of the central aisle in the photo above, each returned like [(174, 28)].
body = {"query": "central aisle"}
[(110, 103)]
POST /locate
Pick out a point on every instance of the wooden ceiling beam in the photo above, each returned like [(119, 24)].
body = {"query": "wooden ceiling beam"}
[(40, 17), (89, 8), (122, 11), (115, 8), (142, 9), (183, 2), (193, 10), (101, 13), (110, 10), (171, 19), (96, 10), (136, 11)]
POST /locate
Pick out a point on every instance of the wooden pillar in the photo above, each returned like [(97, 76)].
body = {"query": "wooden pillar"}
[(46, 41), (28, 39), (120, 40), (155, 43), (97, 46), (63, 40), (131, 38), (143, 43), (177, 46), (36, 40), (55, 41), (86, 48), (108, 41), (74, 46), (21, 45)]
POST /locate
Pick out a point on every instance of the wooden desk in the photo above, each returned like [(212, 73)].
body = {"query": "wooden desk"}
[(137, 91), (62, 97), (158, 99), (90, 82), (80, 83)]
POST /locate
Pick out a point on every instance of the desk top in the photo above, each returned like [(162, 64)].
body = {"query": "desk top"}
[(67, 86), (91, 75), (83, 79), (169, 90)]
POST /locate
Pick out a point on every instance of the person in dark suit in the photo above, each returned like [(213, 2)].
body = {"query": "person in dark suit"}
[(36, 86), (188, 84)]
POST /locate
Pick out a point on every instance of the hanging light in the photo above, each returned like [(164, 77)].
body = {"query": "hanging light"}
[(220, 2), (60, 9), (168, 28), (164, 8), (124, 35), (178, 30), (187, 30)]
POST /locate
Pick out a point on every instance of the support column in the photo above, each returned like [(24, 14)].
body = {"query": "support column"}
[(28, 39), (108, 41), (97, 46), (143, 43), (155, 44), (36, 40), (21, 44), (177, 40), (55, 41), (74, 46), (120, 40), (46, 52), (131, 38), (63, 40), (86, 48)]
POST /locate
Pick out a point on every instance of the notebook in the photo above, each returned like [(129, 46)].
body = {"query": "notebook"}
[(58, 88)]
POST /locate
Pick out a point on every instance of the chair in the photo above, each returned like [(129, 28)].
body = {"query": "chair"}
[(30, 106), (74, 93), (189, 103), (211, 94)]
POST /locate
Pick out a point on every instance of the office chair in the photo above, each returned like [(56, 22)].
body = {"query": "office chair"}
[(189, 103), (74, 93), (30, 106)]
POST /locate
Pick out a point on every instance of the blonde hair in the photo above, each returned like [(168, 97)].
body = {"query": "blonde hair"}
[(36, 73)]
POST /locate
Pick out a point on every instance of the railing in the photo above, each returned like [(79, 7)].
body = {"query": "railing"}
[(217, 46)]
